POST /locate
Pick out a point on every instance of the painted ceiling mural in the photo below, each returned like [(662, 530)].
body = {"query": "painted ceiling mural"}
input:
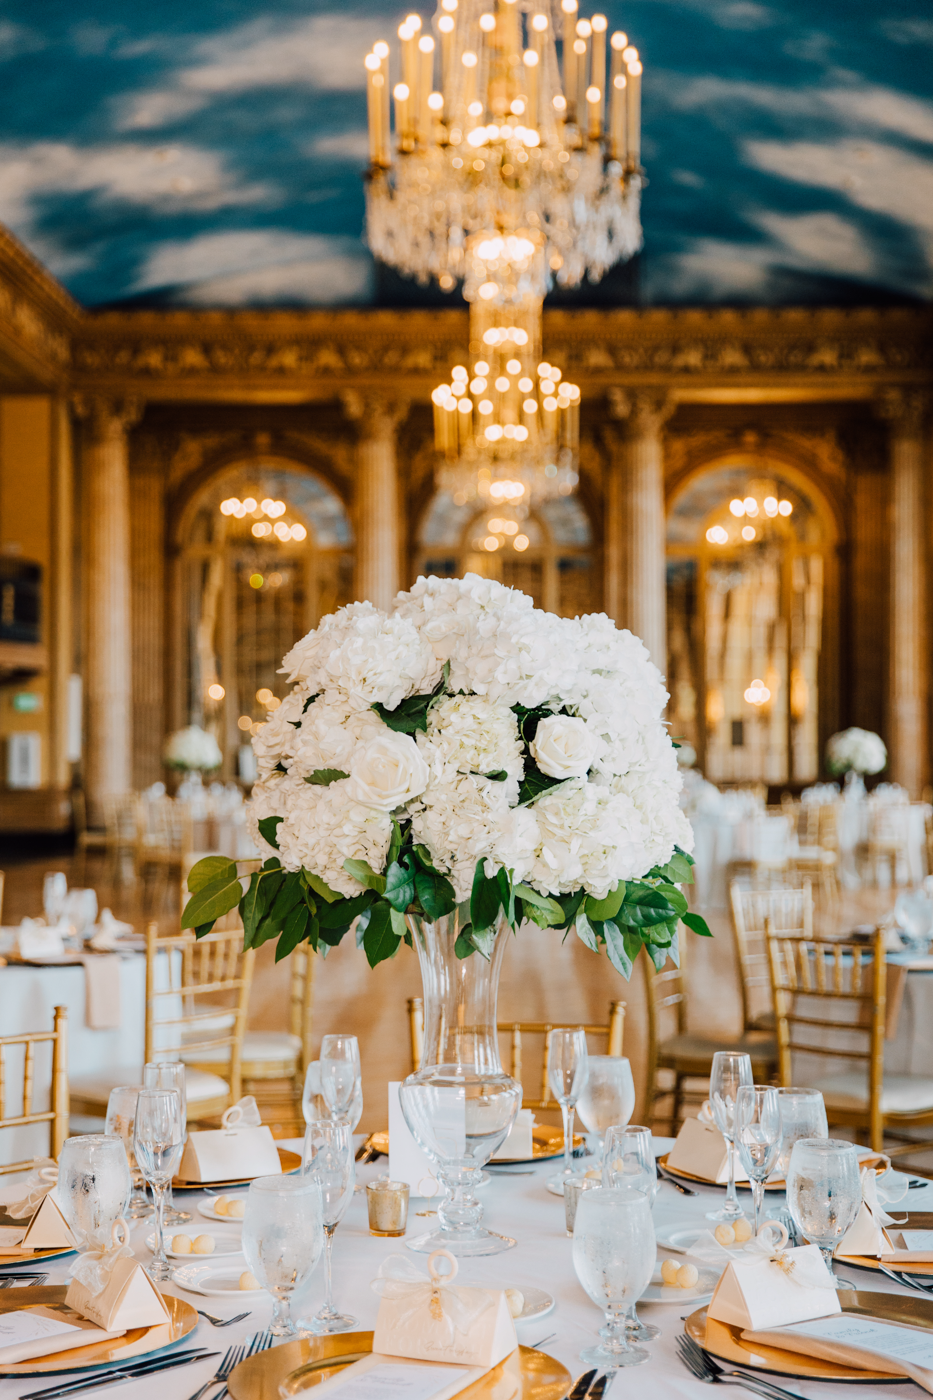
[(209, 152)]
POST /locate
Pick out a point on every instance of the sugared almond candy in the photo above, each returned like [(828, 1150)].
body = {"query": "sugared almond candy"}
[(181, 1244), (688, 1276), (248, 1283), (236, 1210), (515, 1300), (221, 1204), (594, 1174), (742, 1230), (725, 1234), (204, 1244), (669, 1271)]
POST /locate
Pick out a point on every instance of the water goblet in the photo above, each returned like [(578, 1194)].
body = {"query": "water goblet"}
[(629, 1162), (93, 1186), (803, 1115), (54, 890), (731, 1069), (824, 1192), (121, 1116), (170, 1074), (283, 1234), (608, 1096), (757, 1130), (614, 1254), (340, 1073), (328, 1160), (158, 1140), (567, 1068)]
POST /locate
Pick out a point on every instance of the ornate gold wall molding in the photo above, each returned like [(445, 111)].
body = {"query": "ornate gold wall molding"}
[(37, 318)]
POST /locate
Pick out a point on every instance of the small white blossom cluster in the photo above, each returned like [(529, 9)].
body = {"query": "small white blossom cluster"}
[(612, 815), (192, 749), (858, 749)]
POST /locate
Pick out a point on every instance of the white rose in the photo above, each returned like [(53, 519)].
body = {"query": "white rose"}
[(564, 747), (387, 772)]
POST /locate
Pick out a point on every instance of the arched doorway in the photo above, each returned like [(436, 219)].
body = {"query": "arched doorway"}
[(751, 602), (265, 553), (548, 554)]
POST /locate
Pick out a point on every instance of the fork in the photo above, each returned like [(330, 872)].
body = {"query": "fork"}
[(906, 1281), (262, 1341), (232, 1357), (23, 1280), (705, 1369), (221, 1321)]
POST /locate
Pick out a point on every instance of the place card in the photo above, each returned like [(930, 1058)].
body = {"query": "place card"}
[(34, 1332), (769, 1286), (520, 1141), (48, 1229), (225, 1154), (859, 1341), (390, 1378), (702, 1151), (908, 1247)]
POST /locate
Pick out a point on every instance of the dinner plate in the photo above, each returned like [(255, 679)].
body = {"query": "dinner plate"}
[(306, 1363), (724, 1341), (545, 1143), (222, 1245), (537, 1304), (206, 1208), (212, 1282), (138, 1341), (660, 1292), (13, 1261), (777, 1183), (291, 1161)]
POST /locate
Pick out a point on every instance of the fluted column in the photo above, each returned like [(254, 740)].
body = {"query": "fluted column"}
[(108, 669), (635, 554), (376, 509), (904, 410)]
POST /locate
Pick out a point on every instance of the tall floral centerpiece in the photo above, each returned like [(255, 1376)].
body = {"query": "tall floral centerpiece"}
[(445, 772), (855, 752), (192, 750)]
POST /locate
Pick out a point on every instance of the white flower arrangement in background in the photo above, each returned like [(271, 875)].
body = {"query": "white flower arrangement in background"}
[(857, 751), (192, 749)]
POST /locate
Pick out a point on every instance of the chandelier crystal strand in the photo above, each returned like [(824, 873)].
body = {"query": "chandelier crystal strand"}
[(511, 144)]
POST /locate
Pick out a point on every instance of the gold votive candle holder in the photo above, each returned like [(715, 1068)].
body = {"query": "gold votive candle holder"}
[(387, 1203), (572, 1188)]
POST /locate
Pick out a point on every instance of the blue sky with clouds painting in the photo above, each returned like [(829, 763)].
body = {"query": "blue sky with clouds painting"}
[(209, 152)]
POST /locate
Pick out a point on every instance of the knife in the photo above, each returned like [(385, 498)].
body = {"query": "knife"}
[(126, 1373), (578, 1390), (684, 1190), (598, 1388)]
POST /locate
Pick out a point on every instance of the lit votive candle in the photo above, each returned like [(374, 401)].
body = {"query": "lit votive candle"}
[(572, 1189), (387, 1202)]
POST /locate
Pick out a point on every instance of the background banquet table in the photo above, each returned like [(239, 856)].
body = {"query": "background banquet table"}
[(520, 1206)]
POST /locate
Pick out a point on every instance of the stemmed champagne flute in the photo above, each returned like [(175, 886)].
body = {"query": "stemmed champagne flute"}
[(170, 1074), (121, 1116), (731, 1069), (158, 1140), (54, 890), (567, 1070), (757, 1129), (282, 1240), (614, 1253), (340, 1073), (93, 1187), (314, 1104), (328, 1160), (629, 1162), (824, 1192)]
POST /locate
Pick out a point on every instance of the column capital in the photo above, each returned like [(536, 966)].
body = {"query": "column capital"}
[(377, 415), (107, 417), (643, 411), (903, 408)]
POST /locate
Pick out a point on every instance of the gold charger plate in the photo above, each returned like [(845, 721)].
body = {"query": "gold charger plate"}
[(776, 1184), (139, 1341), (918, 1220), (319, 1358), (724, 1342), (291, 1161), (545, 1143)]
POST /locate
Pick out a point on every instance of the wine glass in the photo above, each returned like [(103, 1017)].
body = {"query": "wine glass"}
[(614, 1254), (93, 1187), (314, 1105), (340, 1073), (158, 1140), (758, 1136), (567, 1069), (913, 911), (54, 890), (328, 1160), (629, 1162), (170, 1074), (121, 1115), (608, 1096), (283, 1234), (824, 1192), (803, 1115), (731, 1069)]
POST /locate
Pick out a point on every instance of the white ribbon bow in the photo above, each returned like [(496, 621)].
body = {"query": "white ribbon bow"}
[(37, 1186), (430, 1295), (881, 1191), (244, 1114), (802, 1269), (93, 1267)]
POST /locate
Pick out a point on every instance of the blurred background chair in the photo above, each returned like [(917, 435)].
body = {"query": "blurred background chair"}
[(24, 1111)]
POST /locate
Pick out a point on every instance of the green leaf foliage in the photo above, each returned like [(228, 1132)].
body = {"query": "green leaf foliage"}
[(342, 914), (400, 885), (315, 883), (211, 902), (409, 715), (585, 931), (499, 776), (464, 944), (364, 873), (435, 893), (323, 777), (485, 899), (534, 783), (697, 924), (208, 871), (380, 940), (294, 931), (608, 907), (269, 830), (619, 953)]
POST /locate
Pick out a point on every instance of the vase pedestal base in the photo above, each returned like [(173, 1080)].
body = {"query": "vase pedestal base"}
[(468, 1244)]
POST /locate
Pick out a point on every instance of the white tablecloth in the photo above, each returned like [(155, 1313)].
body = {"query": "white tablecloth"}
[(519, 1206), (28, 997)]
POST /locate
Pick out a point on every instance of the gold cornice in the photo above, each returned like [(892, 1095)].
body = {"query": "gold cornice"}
[(37, 318)]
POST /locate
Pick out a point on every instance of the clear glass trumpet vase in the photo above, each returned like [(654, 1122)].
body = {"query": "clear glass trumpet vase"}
[(460, 1104)]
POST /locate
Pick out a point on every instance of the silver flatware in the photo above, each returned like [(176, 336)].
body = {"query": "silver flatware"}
[(906, 1281), (116, 1377), (581, 1385), (706, 1369), (534, 1345), (262, 1341), (684, 1190), (598, 1389), (222, 1321), (508, 1171), (232, 1357), (23, 1281)]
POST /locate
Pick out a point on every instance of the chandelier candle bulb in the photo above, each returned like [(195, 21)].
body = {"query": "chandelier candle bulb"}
[(425, 87), (530, 60), (599, 25), (633, 115)]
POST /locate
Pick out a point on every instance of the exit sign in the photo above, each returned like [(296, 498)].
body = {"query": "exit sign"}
[(26, 702)]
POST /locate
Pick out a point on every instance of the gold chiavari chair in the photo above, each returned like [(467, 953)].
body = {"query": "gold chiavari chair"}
[(57, 1114), (197, 997), (888, 836), (790, 912), (684, 1054), (830, 1003), (612, 1031), (817, 856)]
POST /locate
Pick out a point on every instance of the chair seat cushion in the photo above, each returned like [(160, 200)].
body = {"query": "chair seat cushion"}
[(901, 1093), (817, 854), (257, 1045), (200, 1085), (689, 1047)]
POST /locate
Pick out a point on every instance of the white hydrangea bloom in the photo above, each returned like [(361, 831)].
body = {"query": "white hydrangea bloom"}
[(366, 656), (321, 828), (587, 836)]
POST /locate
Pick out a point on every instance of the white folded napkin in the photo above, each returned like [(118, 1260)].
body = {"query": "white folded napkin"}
[(35, 939), (109, 932), (35, 1332), (102, 1006)]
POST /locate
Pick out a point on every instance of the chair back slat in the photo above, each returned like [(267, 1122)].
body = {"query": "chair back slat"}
[(57, 1113), (791, 911)]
